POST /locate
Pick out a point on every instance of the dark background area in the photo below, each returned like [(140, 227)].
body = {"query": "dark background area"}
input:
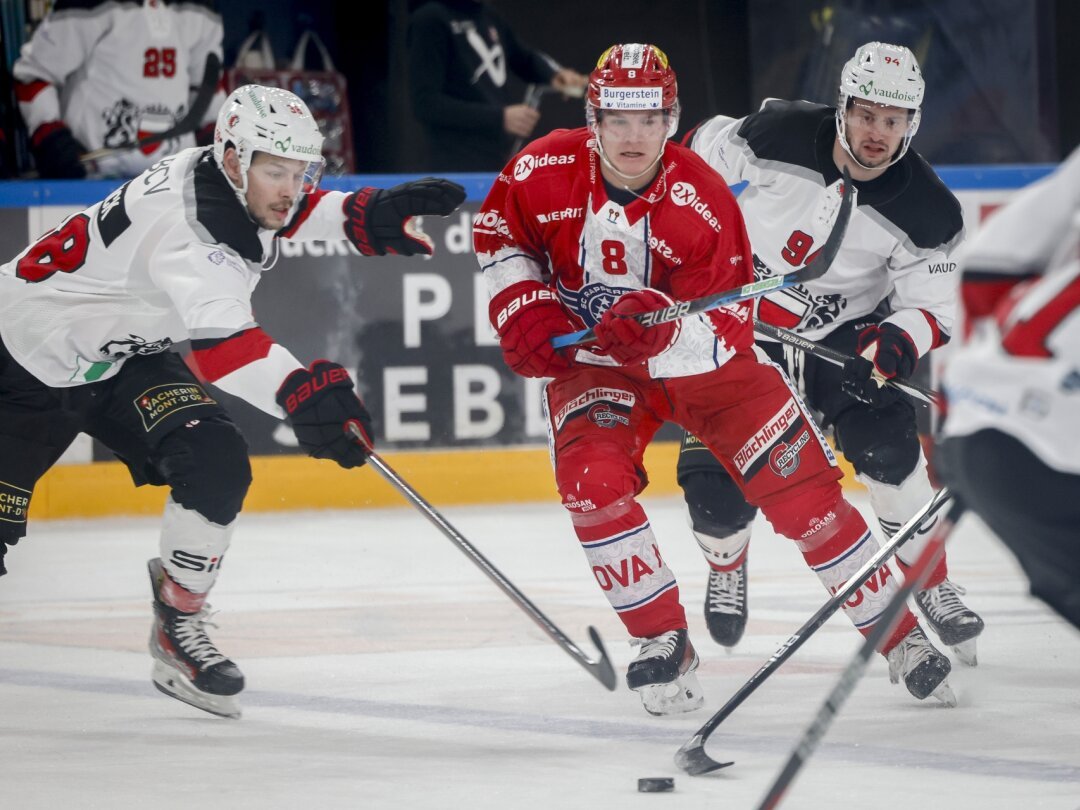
[(1002, 75)]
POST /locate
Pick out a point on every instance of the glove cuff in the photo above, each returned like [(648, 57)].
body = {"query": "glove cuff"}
[(358, 226), (515, 299), (297, 391)]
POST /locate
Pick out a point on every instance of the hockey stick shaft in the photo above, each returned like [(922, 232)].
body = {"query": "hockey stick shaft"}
[(756, 289), (601, 669), (849, 678), (692, 757), (533, 94), (829, 355), (189, 123)]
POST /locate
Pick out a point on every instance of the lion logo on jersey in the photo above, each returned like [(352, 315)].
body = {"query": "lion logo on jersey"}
[(127, 124), (133, 346), (796, 306)]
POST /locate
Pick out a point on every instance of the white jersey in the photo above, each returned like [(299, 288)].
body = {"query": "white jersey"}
[(898, 244), (1019, 370), (172, 254), (115, 72)]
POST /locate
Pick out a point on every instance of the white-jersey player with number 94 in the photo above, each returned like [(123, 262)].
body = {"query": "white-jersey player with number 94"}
[(887, 299), (89, 312), (587, 227)]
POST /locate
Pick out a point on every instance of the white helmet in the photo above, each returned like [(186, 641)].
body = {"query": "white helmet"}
[(268, 119), (882, 74)]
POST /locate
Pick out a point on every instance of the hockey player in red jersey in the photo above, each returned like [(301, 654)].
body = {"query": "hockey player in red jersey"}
[(586, 227), (99, 74), (89, 311), (889, 296), (1010, 446)]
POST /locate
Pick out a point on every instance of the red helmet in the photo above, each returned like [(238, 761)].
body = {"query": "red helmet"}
[(633, 77)]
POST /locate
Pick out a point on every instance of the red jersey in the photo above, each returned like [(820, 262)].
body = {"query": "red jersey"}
[(549, 218)]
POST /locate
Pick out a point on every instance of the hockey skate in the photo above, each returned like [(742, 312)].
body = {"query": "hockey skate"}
[(954, 623), (187, 665), (664, 674), (925, 670), (725, 605)]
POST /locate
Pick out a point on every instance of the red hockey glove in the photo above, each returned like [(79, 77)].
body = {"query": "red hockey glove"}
[(319, 403), (380, 220), (628, 341), (885, 351), (526, 316)]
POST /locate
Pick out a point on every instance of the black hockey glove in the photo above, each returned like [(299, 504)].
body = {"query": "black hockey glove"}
[(319, 403), (885, 352), (56, 152), (380, 220)]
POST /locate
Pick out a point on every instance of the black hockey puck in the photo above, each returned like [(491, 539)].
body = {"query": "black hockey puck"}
[(659, 784)]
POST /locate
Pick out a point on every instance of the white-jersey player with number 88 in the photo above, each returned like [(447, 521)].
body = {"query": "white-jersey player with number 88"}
[(88, 314)]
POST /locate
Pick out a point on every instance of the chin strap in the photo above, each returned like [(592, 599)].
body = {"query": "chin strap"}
[(629, 177)]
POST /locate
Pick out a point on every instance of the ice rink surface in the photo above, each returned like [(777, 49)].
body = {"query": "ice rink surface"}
[(385, 670)]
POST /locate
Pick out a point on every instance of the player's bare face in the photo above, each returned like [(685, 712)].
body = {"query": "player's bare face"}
[(274, 184), (875, 131), (632, 140)]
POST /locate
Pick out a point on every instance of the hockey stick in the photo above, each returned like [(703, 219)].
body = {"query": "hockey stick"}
[(683, 309), (189, 123), (601, 669), (890, 617), (692, 757), (829, 355)]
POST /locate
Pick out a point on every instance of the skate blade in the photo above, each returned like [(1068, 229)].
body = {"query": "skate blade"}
[(945, 694), (966, 652), (173, 683), (677, 697)]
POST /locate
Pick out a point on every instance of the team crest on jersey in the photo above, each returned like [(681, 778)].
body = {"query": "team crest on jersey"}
[(126, 123), (796, 306), (591, 301), (155, 403)]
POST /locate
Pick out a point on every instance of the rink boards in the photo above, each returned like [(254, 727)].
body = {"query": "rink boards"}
[(450, 417)]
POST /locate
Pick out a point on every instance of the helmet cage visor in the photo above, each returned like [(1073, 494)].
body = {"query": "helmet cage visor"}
[(304, 178)]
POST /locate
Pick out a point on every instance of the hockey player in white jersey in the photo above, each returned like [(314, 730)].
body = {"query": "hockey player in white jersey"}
[(888, 297), (1011, 437), (99, 74), (88, 313)]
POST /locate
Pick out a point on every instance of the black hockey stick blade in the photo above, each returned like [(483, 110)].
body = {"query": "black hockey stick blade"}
[(601, 668), (756, 289), (692, 757), (927, 395), (189, 123)]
